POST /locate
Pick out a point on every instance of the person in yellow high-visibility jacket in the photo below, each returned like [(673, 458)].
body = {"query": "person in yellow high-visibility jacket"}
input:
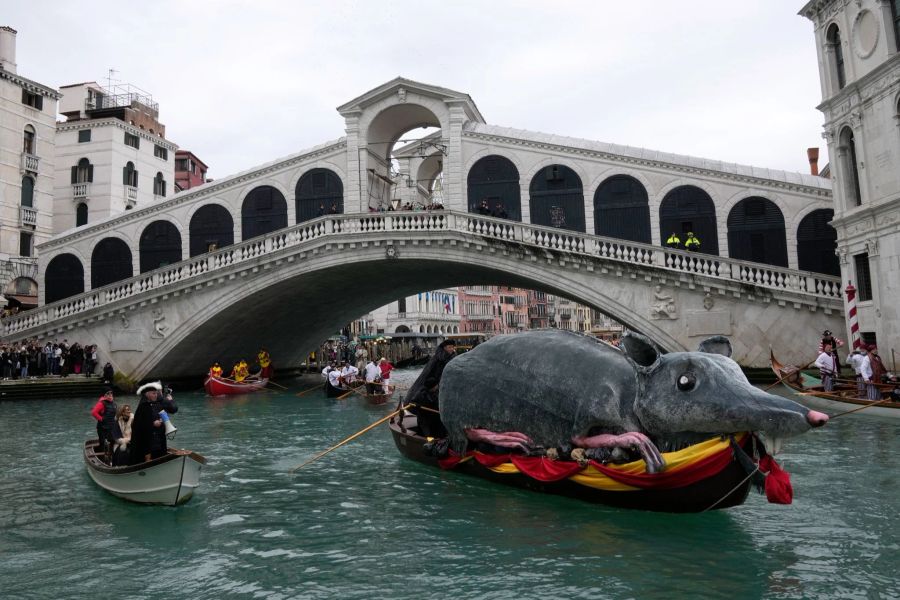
[(215, 370), (239, 371), (674, 241), (265, 363), (692, 243)]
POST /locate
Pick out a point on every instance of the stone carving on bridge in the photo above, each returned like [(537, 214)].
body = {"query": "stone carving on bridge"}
[(391, 252), (708, 301), (159, 327), (663, 305), (401, 95), (125, 322)]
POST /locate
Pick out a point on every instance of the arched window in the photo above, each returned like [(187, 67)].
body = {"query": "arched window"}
[(688, 209), (28, 191), (160, 245), (756, 232), (557, 198), (129, 175), (817, 242), (64, 278), (211, 228), (837, 55), (110, 262), (28, 140), (847, 153), (622, 209), (81, 214), (319, 192), (264, 210), (493, 188), (83, 172), (159, 185)]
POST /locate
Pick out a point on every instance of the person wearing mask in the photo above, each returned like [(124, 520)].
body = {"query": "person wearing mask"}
[(148, 433), (122, 435)]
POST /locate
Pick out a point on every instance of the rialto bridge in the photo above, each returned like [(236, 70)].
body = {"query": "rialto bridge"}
[(220, 270)]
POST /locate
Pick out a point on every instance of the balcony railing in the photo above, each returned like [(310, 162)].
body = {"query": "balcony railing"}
[(131, 193), (479, 317), (27, 216), (30, 163), (81, 190)]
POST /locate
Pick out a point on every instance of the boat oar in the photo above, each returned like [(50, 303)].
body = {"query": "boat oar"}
[(870, 405), (349, 439), (352, 391), (310, 389), (270, 382)]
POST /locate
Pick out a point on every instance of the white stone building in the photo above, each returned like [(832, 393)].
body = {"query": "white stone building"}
[(27, 130), (111, 154), (858, 45), (434, 311)]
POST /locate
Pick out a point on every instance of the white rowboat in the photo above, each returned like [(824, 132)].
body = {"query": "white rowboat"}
[(169, 479)]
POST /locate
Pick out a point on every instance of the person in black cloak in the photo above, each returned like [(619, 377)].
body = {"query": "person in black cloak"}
[(424, 392), (148, 432)]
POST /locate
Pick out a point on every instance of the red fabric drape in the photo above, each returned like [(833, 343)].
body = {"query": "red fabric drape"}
[(778, 481)]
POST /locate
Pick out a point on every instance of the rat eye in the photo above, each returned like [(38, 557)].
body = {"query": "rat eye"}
[(686, 382)]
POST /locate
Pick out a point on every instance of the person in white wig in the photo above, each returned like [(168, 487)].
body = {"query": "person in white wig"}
[(148, 432)]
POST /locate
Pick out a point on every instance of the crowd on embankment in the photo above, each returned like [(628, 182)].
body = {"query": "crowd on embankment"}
[(32, 359)]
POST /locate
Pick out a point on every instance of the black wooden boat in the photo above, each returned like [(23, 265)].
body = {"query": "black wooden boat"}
[(727, 487), (332, 391)]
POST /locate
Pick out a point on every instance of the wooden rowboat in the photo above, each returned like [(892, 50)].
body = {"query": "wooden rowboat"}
[(379, 398), (723, 488), (169, 479), (223, 386), (843, 397)]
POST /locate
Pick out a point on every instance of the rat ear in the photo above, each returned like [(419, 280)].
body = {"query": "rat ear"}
[(640, 349), (717, 344)]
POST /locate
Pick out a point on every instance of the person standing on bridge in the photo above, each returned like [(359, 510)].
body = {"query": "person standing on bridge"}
[(692, 243), (674, 242)]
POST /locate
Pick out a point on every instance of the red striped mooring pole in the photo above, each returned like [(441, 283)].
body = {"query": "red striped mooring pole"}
[(851, 315)]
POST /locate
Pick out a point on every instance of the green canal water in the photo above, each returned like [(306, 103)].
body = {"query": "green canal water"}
[(366, 523)]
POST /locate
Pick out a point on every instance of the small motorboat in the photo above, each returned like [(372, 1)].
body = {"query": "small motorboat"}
[(169, 479), (844, 396), (223, 386), (698, 478)]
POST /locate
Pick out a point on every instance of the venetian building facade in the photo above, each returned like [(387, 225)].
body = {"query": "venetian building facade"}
[(858, 45), (430, 312), (27, 150), (112, 155)]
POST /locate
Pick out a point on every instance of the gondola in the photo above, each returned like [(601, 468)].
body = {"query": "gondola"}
[(223, 386), (380, 398), (335, 392), (699, 478), (843, 397), (169, 479)]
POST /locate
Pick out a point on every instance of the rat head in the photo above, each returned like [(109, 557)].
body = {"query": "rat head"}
[(686, 395)]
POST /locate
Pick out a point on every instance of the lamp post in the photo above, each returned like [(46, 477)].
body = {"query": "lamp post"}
[(851, 315)]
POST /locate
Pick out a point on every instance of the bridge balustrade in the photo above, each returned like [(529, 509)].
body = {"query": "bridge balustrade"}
[(677, 261)]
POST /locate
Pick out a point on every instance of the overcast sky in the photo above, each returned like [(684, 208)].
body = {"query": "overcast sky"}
[(241, 83)]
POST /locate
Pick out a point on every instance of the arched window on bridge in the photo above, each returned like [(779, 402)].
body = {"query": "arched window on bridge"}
[(110, 262), (264, 210), (494, 181), (557, 198), (817, 242), (64, 278), (211, 228), (81, 214), (622, 209), (319, 192), (160, 245), (688, 209), (756, 232)]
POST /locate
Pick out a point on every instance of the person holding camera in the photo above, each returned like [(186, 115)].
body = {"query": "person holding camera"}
[(148, 432)]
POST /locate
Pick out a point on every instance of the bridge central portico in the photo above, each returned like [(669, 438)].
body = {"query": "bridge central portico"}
[(290, 289), (206, 273)]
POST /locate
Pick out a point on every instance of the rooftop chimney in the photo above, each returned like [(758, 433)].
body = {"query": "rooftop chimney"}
[(8, 48), (813, 155)]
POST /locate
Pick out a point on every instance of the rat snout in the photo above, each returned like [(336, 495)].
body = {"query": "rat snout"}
[(816, 419)]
